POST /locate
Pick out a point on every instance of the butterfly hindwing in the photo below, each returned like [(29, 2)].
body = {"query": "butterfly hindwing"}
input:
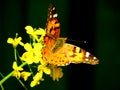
[(71, 54)]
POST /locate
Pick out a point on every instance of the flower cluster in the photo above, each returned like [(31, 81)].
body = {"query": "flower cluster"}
[(33, 58)]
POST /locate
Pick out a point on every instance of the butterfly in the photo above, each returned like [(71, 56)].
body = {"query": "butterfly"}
[(59, 53)]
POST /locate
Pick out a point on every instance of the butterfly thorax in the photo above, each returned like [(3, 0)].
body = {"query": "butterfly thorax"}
[(48, 50)]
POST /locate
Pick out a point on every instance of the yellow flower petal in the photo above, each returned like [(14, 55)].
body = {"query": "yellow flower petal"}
[(15, 67), (10, 40), (47, 70), (28, 57), (40, 31), (44, 69), (15, 41), (36, 79), (38, 76), (16, 70), (34, 83), (25, 75), (28, 47), (17, 74), (29, 29)]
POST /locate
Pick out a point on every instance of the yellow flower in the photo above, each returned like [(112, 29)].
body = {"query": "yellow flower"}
[(44, 69), (35, 32), (29, 29), (16, 70), (28, 47), (15, 41), (38, 49), (27, 57), (25, 75), (33, 54), (36, 79), (56, 73)]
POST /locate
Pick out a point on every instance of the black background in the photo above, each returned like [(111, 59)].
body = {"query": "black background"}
[(94, 21)]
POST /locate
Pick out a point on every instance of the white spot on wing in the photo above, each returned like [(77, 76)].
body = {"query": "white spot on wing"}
[(50, 16), (94, 58), (55, 15), (53, 8), (87, 54)]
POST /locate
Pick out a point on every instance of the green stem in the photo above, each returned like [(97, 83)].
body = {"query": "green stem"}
[(5, 78), (10, 74), (22, 84), (2, 87), (15, 54)]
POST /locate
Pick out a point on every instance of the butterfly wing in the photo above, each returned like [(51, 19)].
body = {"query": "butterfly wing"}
[(53, 25), (71, 54), (52, 29)]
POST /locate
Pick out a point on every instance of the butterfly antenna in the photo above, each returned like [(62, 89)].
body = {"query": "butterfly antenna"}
[(77, 41)]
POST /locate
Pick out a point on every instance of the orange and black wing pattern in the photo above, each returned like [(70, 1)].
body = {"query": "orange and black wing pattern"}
[(52, 29)]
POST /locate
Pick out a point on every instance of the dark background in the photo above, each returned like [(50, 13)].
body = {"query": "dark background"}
[(95, 21)]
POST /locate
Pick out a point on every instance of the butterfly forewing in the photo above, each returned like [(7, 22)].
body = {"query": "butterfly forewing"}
[(52, 30), (53, 24)]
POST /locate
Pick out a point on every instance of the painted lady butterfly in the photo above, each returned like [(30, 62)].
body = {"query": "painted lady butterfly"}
[(59, 53)]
